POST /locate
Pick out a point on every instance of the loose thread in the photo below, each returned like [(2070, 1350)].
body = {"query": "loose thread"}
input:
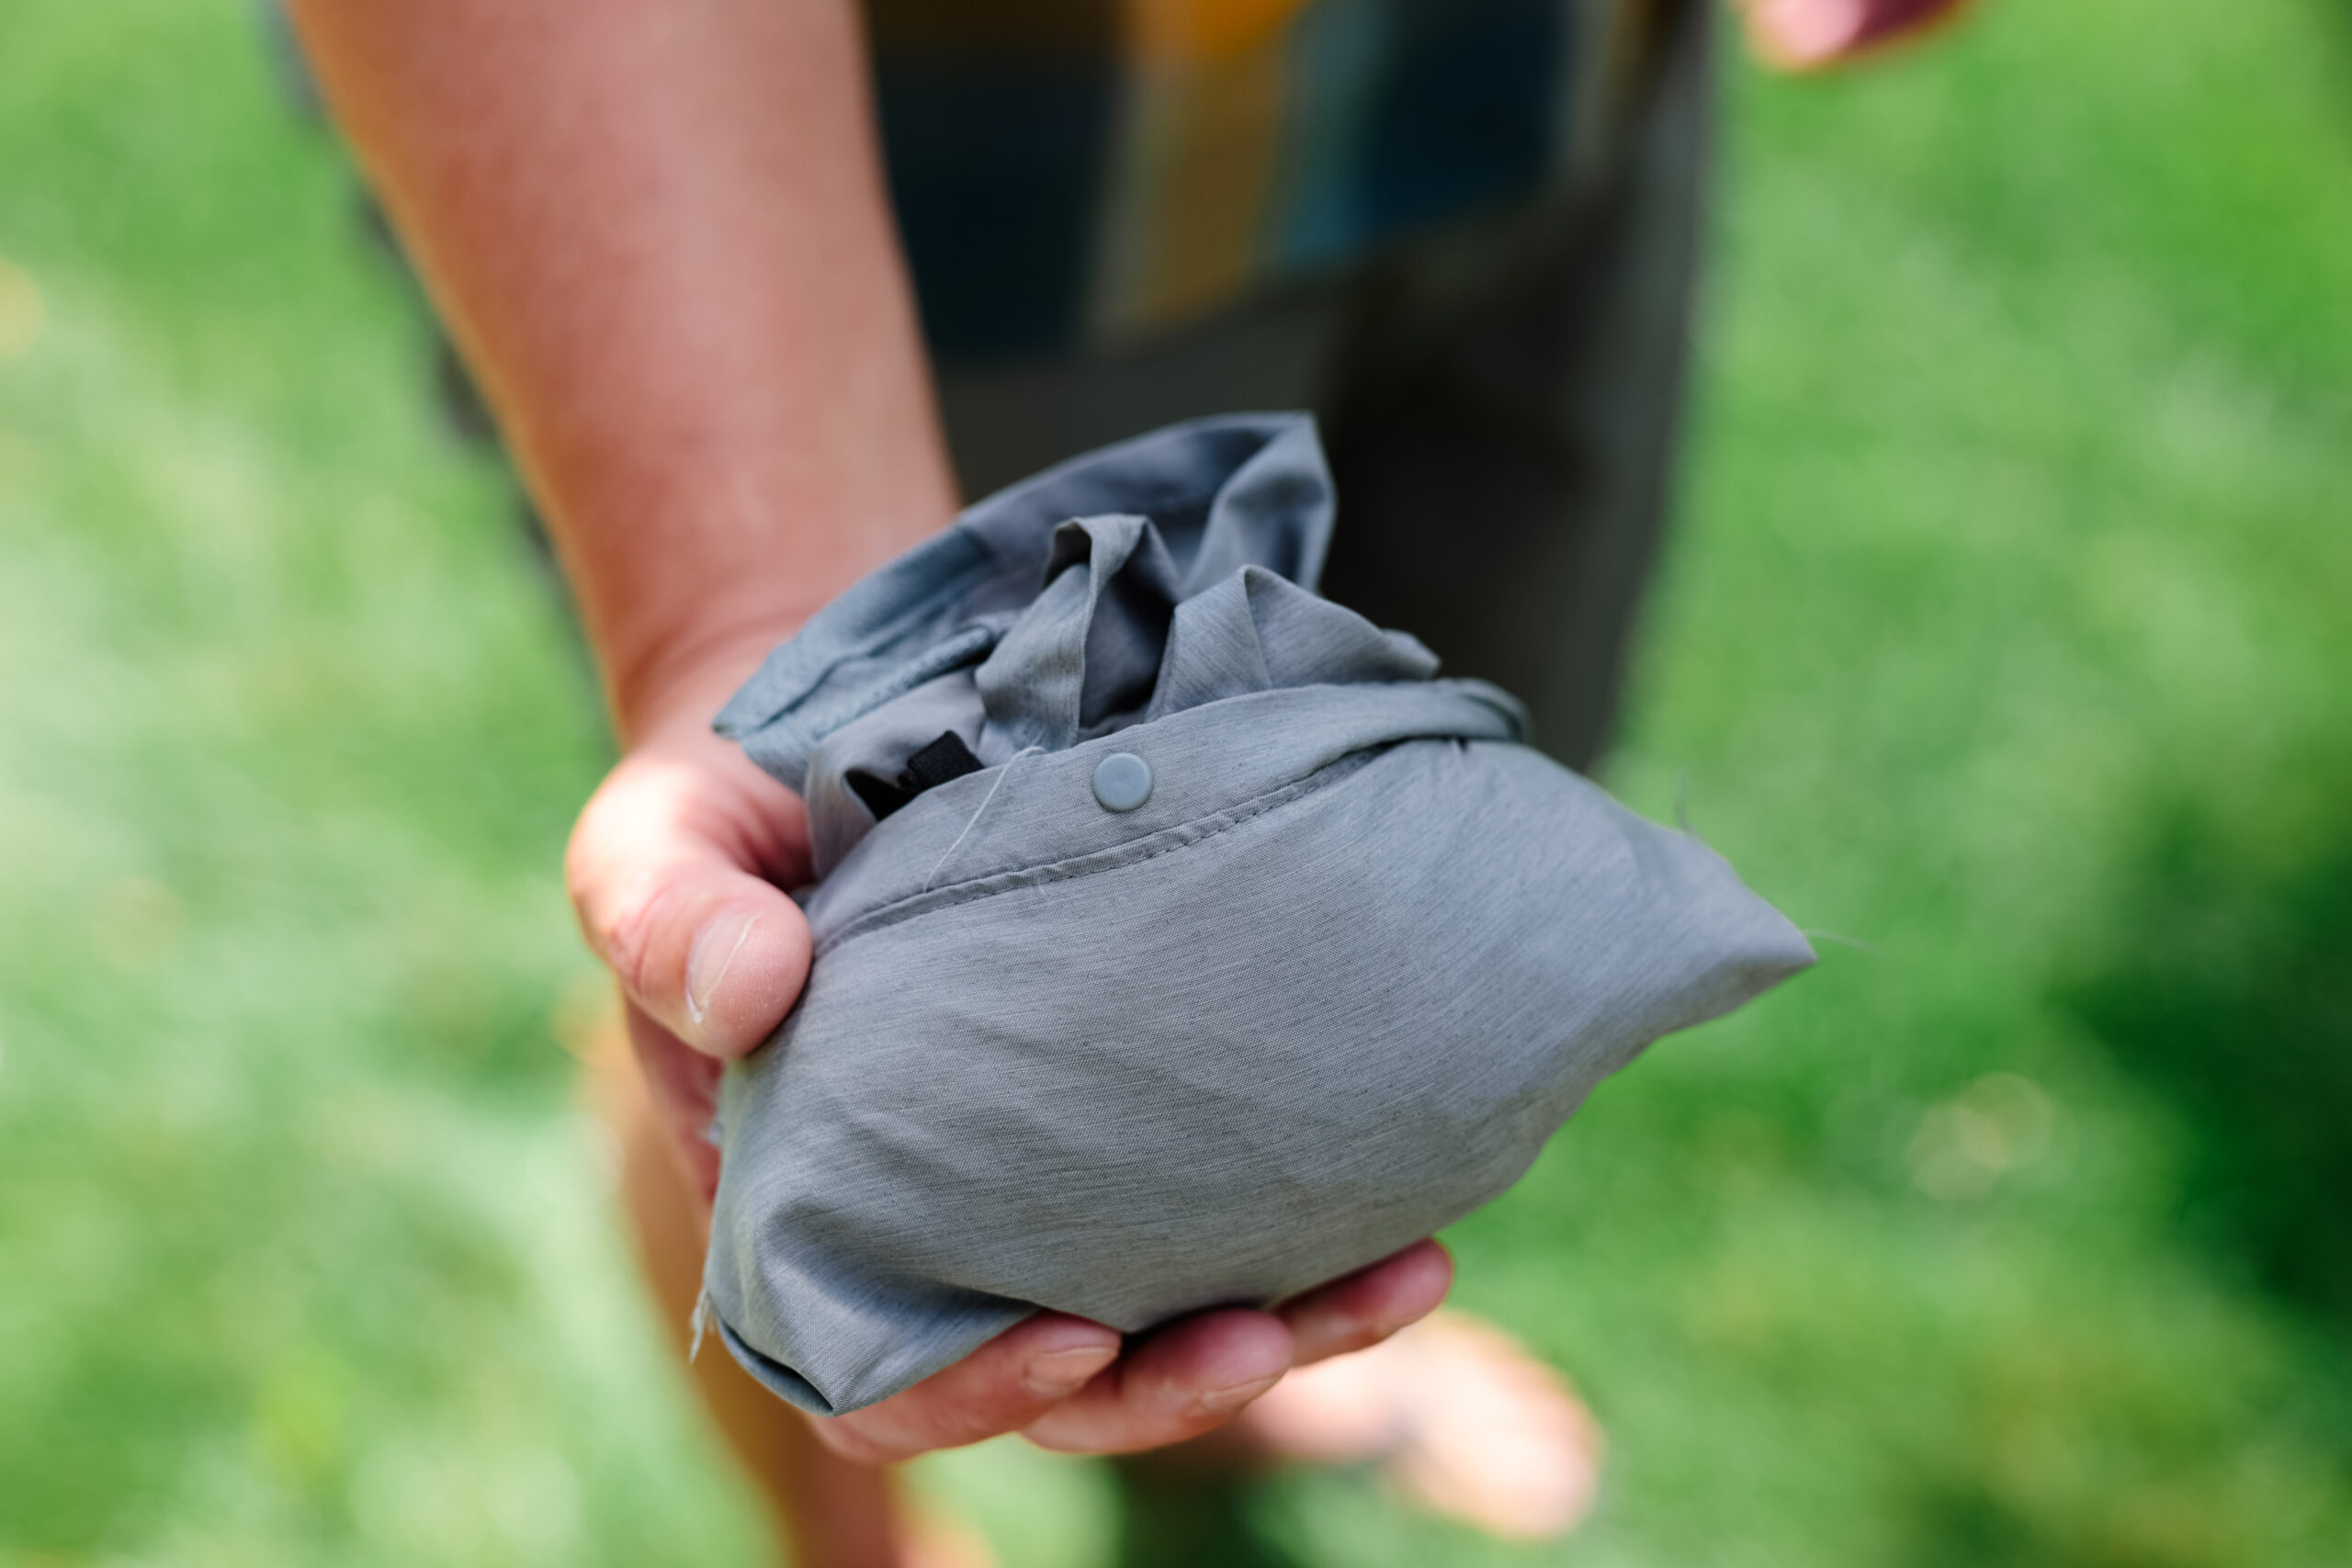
[(1812, 934), (1002, 774)]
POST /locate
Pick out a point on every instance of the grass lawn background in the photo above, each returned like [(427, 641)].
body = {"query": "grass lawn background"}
[(2008, 637)]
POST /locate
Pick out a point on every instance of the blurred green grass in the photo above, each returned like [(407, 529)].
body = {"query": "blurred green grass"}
[(2008, 637)]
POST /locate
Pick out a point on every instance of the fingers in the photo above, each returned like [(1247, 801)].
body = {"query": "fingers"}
[(1799, 35), (682, 1085), (1001, 1387), (1064, 1383), (673, 869), (1177, 1384), (1369, 1305)]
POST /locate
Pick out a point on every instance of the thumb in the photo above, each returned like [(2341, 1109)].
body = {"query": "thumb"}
[(661, 869)]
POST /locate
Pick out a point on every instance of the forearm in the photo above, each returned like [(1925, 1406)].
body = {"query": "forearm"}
[(659, 234)]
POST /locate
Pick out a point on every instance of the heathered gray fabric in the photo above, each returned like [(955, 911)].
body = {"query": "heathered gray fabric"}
[(1328, 989)]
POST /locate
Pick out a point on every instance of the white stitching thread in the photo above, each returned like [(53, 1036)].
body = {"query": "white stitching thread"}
[(1183, 835), (1003, 775)]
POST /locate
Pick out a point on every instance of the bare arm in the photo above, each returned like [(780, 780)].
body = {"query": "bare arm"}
[(660, 233), (660, 236)]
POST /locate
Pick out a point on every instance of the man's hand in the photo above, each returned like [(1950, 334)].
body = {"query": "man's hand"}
[(1807, 35), (661, 234), (1065, 1384), (675, 869)]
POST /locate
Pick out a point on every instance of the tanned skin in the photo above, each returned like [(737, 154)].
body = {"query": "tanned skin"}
[(660, 235)]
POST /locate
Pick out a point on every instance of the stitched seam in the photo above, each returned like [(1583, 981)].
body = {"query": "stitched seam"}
[(1167, 841), (948, 654)]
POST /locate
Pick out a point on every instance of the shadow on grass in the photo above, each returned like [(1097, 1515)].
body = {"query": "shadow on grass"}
[(2229, 991), (2223, 984), (1171, 1516)]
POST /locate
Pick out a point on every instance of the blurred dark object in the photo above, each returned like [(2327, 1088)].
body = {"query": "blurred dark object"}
[(1173, 1515)]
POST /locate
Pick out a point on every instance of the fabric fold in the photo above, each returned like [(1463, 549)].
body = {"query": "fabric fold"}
[(1324, 984)]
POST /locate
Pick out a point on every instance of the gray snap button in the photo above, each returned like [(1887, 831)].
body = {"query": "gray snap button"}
[(1122, 781)]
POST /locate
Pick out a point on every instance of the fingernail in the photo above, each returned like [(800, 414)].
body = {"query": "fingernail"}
[(1226, 1401), (715, 948), (1056, 1374)]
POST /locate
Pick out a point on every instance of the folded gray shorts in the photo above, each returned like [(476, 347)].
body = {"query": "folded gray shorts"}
[(1181, 939)]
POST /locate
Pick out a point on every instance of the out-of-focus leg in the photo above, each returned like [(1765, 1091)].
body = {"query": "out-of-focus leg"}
[(1006, 422), (1504, 415), (835, 1514)]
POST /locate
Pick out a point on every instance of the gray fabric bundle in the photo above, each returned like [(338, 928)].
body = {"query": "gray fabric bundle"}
[(1179, 939)]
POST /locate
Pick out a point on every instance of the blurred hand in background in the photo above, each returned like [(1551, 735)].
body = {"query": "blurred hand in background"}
[(1808, 35)]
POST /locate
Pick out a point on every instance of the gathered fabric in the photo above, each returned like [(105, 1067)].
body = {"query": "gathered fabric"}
[(1182, 937)]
